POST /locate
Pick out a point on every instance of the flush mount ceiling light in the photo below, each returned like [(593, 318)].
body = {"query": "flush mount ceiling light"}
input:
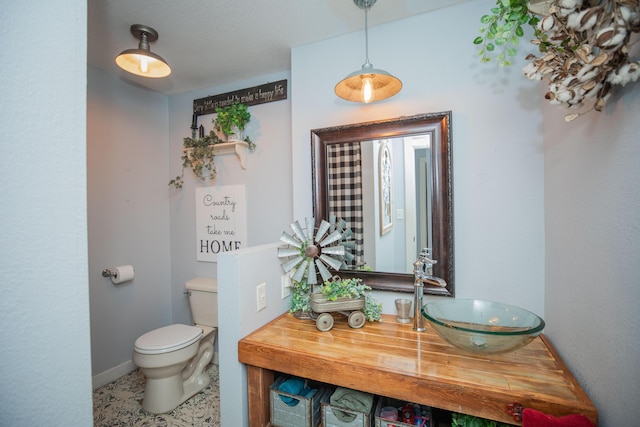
[(368, 84), (141, 61)]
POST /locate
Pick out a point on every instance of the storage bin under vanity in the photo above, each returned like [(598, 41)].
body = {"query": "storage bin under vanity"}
[(335, 416), (305, 413), (424, 419)]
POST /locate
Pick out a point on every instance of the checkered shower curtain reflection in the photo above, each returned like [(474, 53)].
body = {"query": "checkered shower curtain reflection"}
[(345, 191)]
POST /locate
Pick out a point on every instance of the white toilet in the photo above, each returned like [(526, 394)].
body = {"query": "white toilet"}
[(174, 358)]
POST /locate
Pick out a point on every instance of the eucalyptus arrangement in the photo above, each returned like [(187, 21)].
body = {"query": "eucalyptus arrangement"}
[(584, 47), (502, 29)]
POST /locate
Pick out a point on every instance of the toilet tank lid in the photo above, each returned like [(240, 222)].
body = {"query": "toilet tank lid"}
[(205, 284)]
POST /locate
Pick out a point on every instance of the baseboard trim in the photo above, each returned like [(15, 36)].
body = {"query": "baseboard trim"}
[(113, 374)]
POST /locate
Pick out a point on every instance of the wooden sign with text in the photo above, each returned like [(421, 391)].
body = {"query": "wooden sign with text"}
[(268, 92)]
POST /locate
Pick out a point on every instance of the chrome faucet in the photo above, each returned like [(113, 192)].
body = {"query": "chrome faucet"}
[(421, 271)]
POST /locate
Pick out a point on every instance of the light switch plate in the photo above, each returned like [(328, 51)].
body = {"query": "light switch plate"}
[(286, 285), (261, 296)]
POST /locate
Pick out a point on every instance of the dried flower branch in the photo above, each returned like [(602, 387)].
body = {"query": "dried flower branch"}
[(584, 49)]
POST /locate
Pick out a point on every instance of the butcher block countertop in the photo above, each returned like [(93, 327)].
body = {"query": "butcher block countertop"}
[(391, 359)]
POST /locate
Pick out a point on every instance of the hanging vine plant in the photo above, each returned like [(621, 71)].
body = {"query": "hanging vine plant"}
[(199, 153)]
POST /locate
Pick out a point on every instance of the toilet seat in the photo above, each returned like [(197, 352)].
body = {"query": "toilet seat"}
[(167, 339)]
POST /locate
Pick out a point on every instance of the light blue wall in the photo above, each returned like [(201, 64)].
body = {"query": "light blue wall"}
[(267, 181), (45, 356), (592, 283), (497, 140), (590, 206), (241, 272), (128, 217)]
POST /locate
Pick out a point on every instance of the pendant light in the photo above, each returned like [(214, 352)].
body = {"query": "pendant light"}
[(368, 84), (141, 61)]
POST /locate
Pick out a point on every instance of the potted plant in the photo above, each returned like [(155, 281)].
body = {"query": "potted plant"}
[(231, 121), (465, 420), (299, 305), (336, 289), (199, 153)]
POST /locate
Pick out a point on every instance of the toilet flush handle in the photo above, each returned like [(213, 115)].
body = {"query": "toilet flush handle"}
[(187, 293)]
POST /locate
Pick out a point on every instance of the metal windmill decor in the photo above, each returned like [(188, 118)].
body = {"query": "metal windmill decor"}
[(311, 251)]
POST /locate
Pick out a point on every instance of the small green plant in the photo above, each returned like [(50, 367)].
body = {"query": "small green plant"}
[(353, 288), (198, 155), (232, 119), (343, 288), (300, 296), (372, 309), (502, 29), (464, 420)]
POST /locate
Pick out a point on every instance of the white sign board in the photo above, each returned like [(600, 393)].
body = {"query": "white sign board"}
[(221, 221)]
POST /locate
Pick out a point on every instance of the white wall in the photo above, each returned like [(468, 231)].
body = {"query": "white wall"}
[(128, 217), (267, 181), (497, 140), (241, 272), (592, 290), (45, 358)]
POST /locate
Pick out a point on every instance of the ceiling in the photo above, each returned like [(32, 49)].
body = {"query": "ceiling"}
[(215, 42)]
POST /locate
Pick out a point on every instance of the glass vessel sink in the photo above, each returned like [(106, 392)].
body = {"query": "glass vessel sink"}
[(482, 327)]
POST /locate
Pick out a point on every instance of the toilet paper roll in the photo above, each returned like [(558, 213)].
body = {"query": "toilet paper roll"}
[(122, 273)]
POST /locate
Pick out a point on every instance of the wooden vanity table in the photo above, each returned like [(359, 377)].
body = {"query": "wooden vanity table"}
[(391, 359)]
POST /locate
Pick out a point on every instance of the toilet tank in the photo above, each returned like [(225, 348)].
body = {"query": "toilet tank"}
[(203, 300)]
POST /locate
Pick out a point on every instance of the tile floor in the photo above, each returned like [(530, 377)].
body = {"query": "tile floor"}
[(119, 404)]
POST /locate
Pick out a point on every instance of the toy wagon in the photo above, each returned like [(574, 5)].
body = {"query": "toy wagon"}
[(321, 309)]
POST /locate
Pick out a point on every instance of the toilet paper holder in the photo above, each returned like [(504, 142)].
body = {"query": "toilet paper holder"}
[(120, 274), (108, 273)]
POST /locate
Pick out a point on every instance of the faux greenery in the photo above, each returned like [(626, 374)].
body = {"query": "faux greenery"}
[(343, 288), (232, 118), (332, 290), (502, 29), (300, 297), (199, 153), (353, 288), (464, 420), (372, 309)]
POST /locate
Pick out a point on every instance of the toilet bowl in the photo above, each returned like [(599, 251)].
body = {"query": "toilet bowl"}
[(174, 358)]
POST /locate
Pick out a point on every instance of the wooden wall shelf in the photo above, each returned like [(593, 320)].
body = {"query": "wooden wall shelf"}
[(239, 148), (391, 359)]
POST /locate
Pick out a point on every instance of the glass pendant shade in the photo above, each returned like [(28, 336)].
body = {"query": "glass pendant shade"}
[(141, 61)]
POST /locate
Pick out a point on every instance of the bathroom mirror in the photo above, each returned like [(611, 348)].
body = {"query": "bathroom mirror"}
[(391, 180)]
